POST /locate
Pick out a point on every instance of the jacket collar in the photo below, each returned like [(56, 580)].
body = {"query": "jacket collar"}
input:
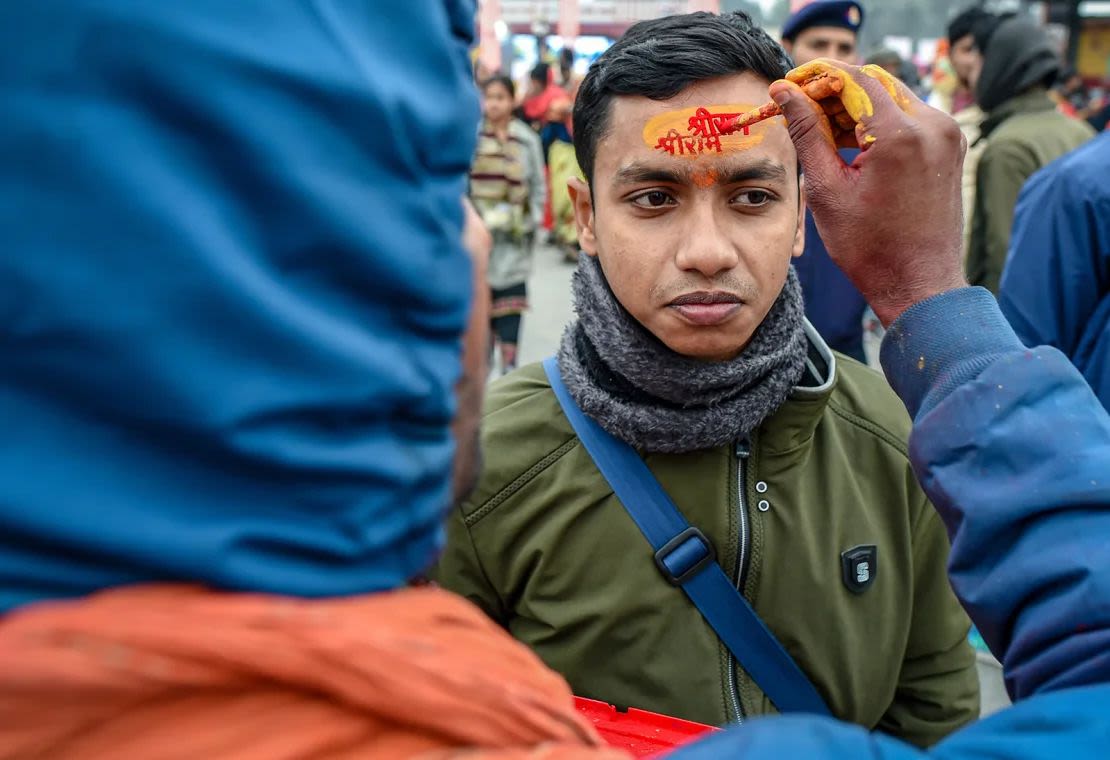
[(794, 423)]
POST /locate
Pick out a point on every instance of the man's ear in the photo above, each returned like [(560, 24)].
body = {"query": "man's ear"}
[(788, 46), (800, 234), (583, 203)]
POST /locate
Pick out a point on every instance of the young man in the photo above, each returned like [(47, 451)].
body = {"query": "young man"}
[(835, 308), (691, 346), (1023, 130)]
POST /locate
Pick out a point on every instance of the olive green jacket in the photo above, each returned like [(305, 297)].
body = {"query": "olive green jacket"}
[(1023, 135), (544, 547)]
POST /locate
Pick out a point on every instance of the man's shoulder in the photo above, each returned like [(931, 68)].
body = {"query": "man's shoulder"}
[(1012, 135), (516, 400), (1007, 153), (1023, 129), (864, 400), (524, 432)]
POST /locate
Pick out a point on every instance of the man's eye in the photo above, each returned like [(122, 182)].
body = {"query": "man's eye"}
[(753, 198), (653, 199)]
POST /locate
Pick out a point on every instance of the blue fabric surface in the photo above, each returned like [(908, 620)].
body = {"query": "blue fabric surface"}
[(1013, 449), (1017, 463), (232, 291), (833, 305), (943, 342), (1056, 285), (1065, 724)]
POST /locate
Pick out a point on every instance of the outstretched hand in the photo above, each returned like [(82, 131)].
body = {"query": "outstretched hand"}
[(893, 219)]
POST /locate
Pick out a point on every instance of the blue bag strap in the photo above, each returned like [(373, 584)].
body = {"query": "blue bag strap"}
[(687, 559)]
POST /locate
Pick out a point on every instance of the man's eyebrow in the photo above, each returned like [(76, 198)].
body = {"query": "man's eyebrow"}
[(636, 173), (766, 170)]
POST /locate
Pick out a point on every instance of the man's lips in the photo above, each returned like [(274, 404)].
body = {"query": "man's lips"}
[(705, 297), (705, 308)]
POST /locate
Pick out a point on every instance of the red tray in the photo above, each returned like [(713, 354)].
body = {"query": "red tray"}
[(642, 733)]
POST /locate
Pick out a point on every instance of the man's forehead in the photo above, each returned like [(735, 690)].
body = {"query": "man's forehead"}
[(692, 128)]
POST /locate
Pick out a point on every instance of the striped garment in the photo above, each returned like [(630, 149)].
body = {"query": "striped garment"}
[(498, 183)]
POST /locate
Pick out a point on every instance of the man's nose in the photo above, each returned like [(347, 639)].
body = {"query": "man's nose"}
[(704, 247)]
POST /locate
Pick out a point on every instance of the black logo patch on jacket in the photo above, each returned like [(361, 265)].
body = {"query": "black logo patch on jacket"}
[(858, 566)]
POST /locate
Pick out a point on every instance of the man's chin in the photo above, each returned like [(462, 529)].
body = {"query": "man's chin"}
[(718, 343), (705, 349)]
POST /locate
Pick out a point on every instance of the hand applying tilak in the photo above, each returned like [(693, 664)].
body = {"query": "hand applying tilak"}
[(828, 83), (893, 219)]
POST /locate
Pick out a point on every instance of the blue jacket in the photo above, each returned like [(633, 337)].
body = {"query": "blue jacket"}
[(231, 292), (1056, 286), (833, 305), (1013, 449)]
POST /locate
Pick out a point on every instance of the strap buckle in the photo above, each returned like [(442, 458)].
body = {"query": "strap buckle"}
[(684, 556)]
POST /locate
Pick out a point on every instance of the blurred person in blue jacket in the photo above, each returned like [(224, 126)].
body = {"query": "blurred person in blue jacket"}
[(1056, 285)]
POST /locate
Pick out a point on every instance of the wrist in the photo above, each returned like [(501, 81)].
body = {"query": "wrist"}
[(891, 304), (939, 344)]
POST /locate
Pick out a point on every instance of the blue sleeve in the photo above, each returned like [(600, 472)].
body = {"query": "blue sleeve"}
[(1056, 273), (1013, 449), (1069, 724)]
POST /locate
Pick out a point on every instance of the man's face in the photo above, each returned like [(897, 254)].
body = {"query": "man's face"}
[(822, 42), (966, 60), (697, 248)]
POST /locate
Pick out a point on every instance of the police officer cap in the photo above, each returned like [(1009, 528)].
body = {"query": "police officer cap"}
[(846, 15)]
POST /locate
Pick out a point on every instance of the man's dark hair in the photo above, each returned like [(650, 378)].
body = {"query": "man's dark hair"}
[(965, 22), (658, 59), (540, 73), (502, 80)]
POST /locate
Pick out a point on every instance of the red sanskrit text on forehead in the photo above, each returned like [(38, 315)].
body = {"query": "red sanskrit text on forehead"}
[(704, 130)]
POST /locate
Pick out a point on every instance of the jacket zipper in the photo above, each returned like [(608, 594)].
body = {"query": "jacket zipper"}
[(743, 451)]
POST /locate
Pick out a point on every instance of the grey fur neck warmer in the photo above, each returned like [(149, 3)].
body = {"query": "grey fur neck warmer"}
[(643, 393)]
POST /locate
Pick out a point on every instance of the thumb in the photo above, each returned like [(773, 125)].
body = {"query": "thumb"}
[(810, 132)]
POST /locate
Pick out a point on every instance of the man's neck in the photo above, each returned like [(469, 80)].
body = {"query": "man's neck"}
[(654, 398)]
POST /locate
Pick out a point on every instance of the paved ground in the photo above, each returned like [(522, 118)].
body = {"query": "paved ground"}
[(549, 296)]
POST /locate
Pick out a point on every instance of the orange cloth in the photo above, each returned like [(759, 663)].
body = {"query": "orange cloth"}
[(172, 671)]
